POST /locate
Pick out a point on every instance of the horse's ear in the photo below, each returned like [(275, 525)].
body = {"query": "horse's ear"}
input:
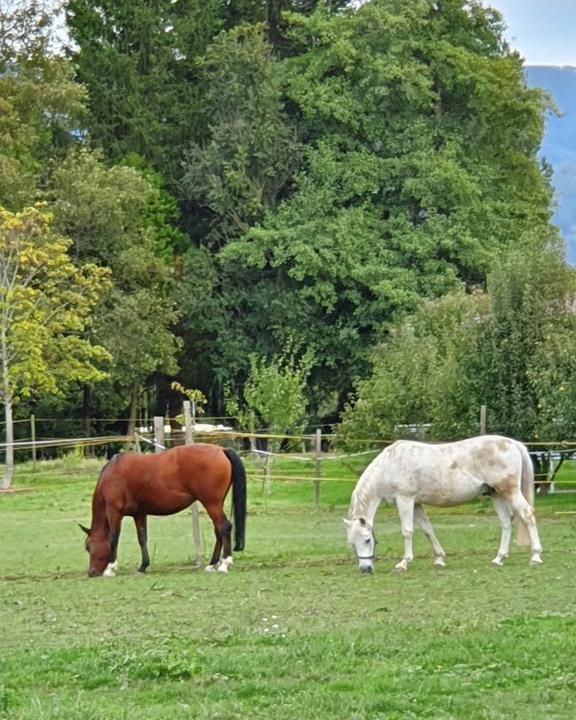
[(362, 522), (346, 522), (84, 528)]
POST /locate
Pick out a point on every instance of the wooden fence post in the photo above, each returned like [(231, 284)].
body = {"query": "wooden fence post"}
[(188, 432), (267, 473), (189, 440), (550, 475), (158, 434), (33, 438), (252, 431), (318, 468), (482, 419)]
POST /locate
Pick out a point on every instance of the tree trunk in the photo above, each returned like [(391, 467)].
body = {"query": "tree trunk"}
[(135, 395), (273, 10), (86, 407), (7, 399)]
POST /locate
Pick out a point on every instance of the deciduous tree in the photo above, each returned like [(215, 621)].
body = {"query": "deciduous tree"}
[(115, 215), (45, 305)]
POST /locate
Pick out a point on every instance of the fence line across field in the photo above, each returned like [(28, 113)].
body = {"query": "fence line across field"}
[(561, 446), (552, 452)]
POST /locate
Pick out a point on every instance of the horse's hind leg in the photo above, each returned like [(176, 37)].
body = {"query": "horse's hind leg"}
[(223, 533), (426, 526), (405, 507), (502, 508), (526, 514), (142, 531), (226, 533)]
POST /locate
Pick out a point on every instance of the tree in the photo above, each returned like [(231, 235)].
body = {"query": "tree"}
[(419, 374), (118, 216), (139, 61), (525, 373), (41, 104), (241, 168), (333, 168), (275, 393), (45, 305)]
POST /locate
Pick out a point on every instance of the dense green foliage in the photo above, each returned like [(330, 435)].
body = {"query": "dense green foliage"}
[(260, 174), (511, 350)]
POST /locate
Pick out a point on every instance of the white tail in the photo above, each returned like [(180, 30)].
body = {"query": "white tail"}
[(527, 488)]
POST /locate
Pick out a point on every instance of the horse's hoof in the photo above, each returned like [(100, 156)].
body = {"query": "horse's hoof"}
[(224, 565), (439, 563), (210, 568), (400, 567), (109, 572), (535, 561), (497, 562)]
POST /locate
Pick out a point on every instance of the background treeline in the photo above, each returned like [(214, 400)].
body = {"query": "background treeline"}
[(306, 208)]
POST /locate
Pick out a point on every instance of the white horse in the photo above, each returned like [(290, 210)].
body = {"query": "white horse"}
[(410, 474)]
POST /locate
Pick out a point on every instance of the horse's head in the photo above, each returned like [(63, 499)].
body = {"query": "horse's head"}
[(99, 549), (361, 538)]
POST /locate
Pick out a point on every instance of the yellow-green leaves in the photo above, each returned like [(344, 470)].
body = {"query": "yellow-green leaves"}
[(45, 304)]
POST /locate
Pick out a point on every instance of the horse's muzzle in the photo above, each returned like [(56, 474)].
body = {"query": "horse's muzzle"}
[(366, 569), (94, 573)]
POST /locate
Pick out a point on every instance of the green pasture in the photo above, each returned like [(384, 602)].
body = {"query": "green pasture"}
[(294, 632)]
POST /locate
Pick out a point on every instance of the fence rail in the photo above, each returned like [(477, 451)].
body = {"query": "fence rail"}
[(550, 455)]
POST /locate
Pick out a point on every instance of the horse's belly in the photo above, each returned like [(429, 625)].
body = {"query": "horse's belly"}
[(446, 493), (160, 503)]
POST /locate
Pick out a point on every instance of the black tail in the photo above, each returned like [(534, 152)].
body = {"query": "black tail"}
[(238, 497)]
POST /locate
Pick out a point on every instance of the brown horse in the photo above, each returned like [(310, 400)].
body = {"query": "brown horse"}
[(163, 484)]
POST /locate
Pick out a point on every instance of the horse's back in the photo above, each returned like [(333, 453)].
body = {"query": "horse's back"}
[(478, 455)]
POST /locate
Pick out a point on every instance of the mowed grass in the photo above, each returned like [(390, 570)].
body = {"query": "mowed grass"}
[(293, 631)]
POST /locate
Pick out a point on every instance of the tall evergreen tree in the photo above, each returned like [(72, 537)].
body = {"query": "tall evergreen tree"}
[(137, 59), (42, 105)]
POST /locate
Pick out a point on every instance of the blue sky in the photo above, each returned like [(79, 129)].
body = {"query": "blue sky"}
[(543, 31)]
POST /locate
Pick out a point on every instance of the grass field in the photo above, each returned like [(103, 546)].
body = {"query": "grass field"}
[(294, 631)]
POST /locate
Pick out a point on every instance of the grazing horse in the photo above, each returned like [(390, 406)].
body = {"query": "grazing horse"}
[(163, 484), (410, 474)]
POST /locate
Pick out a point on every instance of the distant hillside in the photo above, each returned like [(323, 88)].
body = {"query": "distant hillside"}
[(559, 145)]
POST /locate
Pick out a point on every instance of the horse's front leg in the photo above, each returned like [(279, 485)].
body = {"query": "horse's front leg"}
[(405, 507), (115, 523), (142, 532), (426, 527)]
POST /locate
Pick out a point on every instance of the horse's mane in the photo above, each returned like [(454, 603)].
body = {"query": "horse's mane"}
[(360, 498), (113, 460)]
